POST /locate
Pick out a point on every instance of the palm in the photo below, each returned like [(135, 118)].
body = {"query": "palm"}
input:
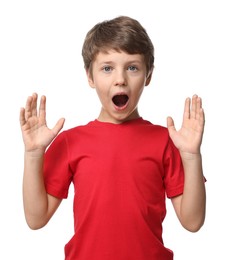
[(189, 137), (36, 134)]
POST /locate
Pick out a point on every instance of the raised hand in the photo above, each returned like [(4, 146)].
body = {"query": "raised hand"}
[(36, 135), (188, 139)]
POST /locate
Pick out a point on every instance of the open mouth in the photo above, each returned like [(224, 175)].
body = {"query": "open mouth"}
[(120, 100)]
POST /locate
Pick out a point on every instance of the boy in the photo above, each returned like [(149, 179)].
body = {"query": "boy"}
[(121, 165)]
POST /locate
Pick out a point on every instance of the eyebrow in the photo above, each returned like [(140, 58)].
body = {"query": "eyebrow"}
[(112, 62)]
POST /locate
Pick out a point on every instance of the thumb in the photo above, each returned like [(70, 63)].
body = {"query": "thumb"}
[(170, 125), (59, 125)]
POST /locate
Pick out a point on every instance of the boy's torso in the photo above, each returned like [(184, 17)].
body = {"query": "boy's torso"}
[(118, 173)]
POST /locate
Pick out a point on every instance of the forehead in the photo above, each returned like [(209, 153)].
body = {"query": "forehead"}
[(117, 56)]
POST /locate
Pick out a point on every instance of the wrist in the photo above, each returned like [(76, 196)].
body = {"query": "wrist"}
[(190, 156), (35, 153)]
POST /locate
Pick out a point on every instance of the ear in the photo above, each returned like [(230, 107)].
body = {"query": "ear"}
[(90, 79), (149, 77)]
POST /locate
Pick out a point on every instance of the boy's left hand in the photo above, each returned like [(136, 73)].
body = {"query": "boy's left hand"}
[(188, 139)]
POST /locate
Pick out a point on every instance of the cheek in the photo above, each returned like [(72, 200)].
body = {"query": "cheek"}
[(102, 86), (99, 83), (102, 93), (139, 87)]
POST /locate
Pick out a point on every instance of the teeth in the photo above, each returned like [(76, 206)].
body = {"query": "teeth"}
[(120, 100)]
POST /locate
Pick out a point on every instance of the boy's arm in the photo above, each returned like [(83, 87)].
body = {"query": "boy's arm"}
[(190, 206), (38, 205)]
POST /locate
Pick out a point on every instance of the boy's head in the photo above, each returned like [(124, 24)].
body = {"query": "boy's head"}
[(120, 34)]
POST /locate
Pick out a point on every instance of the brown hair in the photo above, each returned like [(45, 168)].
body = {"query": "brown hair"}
[(121, 34)]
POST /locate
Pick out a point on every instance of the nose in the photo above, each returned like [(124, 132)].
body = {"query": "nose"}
[(120, 78)]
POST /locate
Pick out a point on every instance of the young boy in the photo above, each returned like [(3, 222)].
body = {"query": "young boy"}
[(121, 165)]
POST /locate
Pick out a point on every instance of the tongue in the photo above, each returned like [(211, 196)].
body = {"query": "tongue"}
[(120, 100)]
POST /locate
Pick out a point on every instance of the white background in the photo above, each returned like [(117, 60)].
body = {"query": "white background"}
[(40, 50)]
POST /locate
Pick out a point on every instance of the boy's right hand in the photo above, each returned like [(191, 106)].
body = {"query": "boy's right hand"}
[(36, 135)]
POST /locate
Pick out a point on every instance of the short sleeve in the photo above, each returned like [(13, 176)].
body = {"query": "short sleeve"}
[(57, 174), (174, 172)]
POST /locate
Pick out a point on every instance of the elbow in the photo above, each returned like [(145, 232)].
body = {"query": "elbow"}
[(193, 221), (193, 229), (34, 224), (193, 226)]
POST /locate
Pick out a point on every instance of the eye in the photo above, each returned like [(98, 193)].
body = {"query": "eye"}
[(132, 68), (107, 69)]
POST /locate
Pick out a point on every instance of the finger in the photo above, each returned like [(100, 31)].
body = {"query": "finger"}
[(34, 104), (42, 108), (22, 119), (186, 114), (198, 107), (193, 112), (202, 117), (28, 108), (200, 112)]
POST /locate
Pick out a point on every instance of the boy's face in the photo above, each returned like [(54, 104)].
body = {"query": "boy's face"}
[(119, 79)]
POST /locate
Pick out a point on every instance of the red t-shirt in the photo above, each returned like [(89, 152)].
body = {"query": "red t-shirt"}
[(121, 175)]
